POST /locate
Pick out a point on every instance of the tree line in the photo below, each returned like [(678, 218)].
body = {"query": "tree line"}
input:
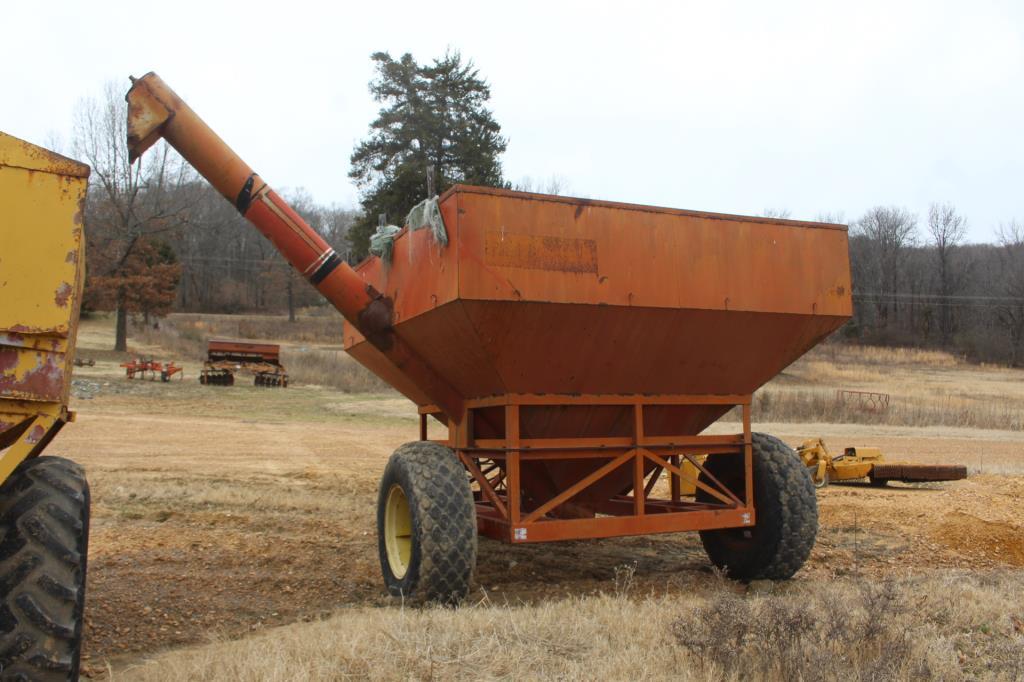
[(160, 238), (918, 283)]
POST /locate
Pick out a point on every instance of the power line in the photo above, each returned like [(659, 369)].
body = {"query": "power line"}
[(943, 297)]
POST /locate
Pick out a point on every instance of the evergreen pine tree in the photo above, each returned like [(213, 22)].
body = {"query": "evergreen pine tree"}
[(431, 115)]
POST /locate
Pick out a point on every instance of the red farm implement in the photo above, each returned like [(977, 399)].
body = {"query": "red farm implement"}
[(151, 369)]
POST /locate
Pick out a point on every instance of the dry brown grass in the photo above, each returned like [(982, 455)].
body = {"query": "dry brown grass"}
[(925, 388), (312, 325), (233, 514), (333, 368), (950, 626), (822, 405)]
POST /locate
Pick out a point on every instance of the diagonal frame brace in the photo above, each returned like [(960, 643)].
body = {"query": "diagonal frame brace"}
[(577, 487), (728, 499), (700, 467), (485, 485)]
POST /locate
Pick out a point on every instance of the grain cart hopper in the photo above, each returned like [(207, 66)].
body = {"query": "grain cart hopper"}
[(575, 350), (44, 501)]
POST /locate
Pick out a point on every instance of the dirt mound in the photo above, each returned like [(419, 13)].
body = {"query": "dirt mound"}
[(992, 539)]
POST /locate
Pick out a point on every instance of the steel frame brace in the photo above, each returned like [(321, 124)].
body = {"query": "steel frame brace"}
[(493, 465)]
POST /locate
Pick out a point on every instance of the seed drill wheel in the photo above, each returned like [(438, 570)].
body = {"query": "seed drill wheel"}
[(786, 507), (426, 525), (44, 534)]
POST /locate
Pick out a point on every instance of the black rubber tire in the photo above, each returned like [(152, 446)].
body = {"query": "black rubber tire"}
[(786, 514), (878, 482), (44, 537), (444, 537)]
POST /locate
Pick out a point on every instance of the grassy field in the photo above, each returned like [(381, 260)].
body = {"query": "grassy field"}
[(234, 538), (951, 627), (925, 388)]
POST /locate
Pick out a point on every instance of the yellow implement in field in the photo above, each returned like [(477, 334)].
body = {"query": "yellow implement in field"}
[(44, 501), (41, 271), (858, 463)]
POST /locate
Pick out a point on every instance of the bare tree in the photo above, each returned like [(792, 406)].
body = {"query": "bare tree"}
[(1010, 306), (302, 201), (782, 213), (947, 230), (888, 233), (833, 217), (336, 221), (556, 184), (128, 205)]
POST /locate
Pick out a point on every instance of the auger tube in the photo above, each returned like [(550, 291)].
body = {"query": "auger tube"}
[(155, 111)]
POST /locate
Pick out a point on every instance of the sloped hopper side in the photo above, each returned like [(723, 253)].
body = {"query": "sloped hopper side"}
[(551, 295)]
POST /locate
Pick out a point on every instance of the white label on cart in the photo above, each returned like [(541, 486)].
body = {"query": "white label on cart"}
[(519, 533), (746, 519)]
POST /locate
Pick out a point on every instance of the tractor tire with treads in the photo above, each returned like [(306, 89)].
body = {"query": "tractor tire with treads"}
[(786, 512), (426, 525), (44, 535)]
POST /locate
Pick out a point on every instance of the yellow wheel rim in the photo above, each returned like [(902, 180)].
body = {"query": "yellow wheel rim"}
[(397, 531)]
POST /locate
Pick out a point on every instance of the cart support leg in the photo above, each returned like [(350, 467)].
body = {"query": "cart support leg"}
[(638, 460), (748, 456), (674, 479), (512, 483)]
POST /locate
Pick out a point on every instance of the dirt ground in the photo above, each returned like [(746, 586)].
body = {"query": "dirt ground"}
[(222, 511)]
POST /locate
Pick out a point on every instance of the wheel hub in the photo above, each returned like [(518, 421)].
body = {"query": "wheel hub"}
[(397, 531)]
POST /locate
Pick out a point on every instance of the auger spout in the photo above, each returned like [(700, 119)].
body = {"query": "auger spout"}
[(155, 111)]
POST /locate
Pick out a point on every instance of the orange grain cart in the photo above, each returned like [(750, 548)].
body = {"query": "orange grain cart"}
[(576, 351)]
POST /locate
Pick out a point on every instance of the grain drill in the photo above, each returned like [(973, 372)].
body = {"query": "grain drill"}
[(227, 357)]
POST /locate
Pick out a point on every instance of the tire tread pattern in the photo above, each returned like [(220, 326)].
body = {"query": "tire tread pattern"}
[(787, 515), (444, 523), (44, 525)]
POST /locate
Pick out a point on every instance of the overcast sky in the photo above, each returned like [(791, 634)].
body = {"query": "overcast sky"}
[(736, 107)]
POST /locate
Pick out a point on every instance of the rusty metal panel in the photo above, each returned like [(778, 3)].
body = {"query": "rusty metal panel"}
[(40, 241), (421, 276), (556, 249), (567, 296), (41, 272)]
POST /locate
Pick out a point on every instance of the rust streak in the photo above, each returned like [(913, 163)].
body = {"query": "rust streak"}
[(538, 252), (45, 381), (35, 435), (375, 320), (63, 294)]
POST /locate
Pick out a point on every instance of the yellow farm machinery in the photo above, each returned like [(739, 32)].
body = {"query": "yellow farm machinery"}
[(44, 501), (868, 463)]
